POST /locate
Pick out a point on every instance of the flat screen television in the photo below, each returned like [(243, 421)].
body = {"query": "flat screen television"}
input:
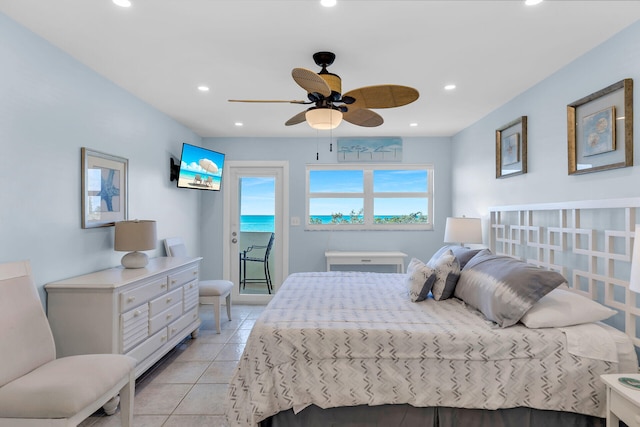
[(199, 168)]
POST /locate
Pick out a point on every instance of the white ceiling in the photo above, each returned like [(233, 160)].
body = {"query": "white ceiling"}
[(161, 50)]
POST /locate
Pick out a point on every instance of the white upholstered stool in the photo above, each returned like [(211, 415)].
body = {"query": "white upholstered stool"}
[(212, 292)]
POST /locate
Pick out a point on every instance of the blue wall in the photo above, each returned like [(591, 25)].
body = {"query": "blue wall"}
[(50, 107), (545, 105), (306, 248)]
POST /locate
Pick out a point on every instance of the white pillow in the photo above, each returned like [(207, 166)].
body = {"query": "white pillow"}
[(419, 280), (447, 269), (564, 308)]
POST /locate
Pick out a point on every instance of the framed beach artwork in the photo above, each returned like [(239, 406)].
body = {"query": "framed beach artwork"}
[(104, 188), (511, 148), (600, 129), (374, 149)]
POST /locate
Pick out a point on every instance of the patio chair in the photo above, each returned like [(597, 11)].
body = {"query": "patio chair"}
[(264, 259)]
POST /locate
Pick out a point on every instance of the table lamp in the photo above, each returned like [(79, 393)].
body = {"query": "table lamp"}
[(463, 230), (135, 236)]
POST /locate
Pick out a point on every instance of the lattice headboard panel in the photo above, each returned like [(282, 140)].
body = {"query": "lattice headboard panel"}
[(589, 242)]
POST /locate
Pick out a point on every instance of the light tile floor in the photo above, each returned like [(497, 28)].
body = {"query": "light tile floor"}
[(188, 386)]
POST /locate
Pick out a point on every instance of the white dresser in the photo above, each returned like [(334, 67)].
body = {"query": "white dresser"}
[(142, 312)]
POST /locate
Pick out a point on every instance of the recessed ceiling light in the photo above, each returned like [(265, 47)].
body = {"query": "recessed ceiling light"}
[(532, 2), (413, 125), (203, 88), (239, 124), (328, 3), (449, 87), (122, 3)]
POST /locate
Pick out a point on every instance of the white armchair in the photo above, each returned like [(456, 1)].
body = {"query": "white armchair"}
[(36, 389)]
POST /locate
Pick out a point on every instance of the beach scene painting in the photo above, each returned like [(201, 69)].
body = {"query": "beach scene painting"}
[(200, 168), (374, 149)]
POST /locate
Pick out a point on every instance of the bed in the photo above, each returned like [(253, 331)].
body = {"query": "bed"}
[(357, 348)]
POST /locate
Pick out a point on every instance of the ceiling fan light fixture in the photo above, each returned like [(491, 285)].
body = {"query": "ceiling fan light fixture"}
[(323, 118)]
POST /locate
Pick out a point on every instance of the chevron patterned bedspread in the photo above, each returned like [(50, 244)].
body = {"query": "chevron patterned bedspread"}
[(343, 339)]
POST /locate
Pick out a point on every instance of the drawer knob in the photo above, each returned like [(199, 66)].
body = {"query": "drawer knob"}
[(169, 316), (137, 313), (173, 330), (173, 282), (131, 299), (169, 300), (163, 338), (164, 285), (195, 273)]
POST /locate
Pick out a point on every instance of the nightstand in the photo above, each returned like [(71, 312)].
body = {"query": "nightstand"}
[(623, 402)]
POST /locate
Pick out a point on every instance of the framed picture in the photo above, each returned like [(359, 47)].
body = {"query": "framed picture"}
[(600, 130), (511, 148), (373, 149), (104, 188)]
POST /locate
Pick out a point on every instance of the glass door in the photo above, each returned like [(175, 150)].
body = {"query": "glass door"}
[(255, 229), (257, 234)]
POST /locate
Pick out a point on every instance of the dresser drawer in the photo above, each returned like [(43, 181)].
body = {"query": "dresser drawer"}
[(183, 322), (135, 326), (182, 277), (165, 301), (150, 346), (191, 295), (141, 294), (163, 319)]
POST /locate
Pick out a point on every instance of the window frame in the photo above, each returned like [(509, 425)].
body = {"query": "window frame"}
[(368, 196)]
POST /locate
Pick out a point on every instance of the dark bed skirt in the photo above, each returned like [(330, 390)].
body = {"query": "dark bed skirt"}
[(409, 416)]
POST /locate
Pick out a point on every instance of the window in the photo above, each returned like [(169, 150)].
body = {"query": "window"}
[(369, 197)]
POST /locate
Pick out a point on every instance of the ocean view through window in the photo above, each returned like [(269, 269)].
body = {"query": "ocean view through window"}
[(369, 197)]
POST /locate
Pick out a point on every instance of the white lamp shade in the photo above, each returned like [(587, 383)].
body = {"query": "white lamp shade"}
[(323, 118), (463, 230), (137, 235), (634, 280)]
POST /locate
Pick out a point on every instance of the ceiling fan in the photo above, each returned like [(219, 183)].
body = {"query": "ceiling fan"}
[(330, 106)]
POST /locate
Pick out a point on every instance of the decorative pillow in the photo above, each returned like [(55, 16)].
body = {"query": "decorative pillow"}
[(420, 279), (463, 254), (504, 288), (561, 308), (447, 269)]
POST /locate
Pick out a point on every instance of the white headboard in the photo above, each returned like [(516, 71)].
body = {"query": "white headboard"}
[(589, 242)]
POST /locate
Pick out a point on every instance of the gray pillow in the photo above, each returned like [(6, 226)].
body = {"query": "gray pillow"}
[(504, 288), (463, 254), (447, 270)]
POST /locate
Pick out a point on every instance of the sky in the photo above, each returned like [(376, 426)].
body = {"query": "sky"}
[(192, 155), (258, 193)]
